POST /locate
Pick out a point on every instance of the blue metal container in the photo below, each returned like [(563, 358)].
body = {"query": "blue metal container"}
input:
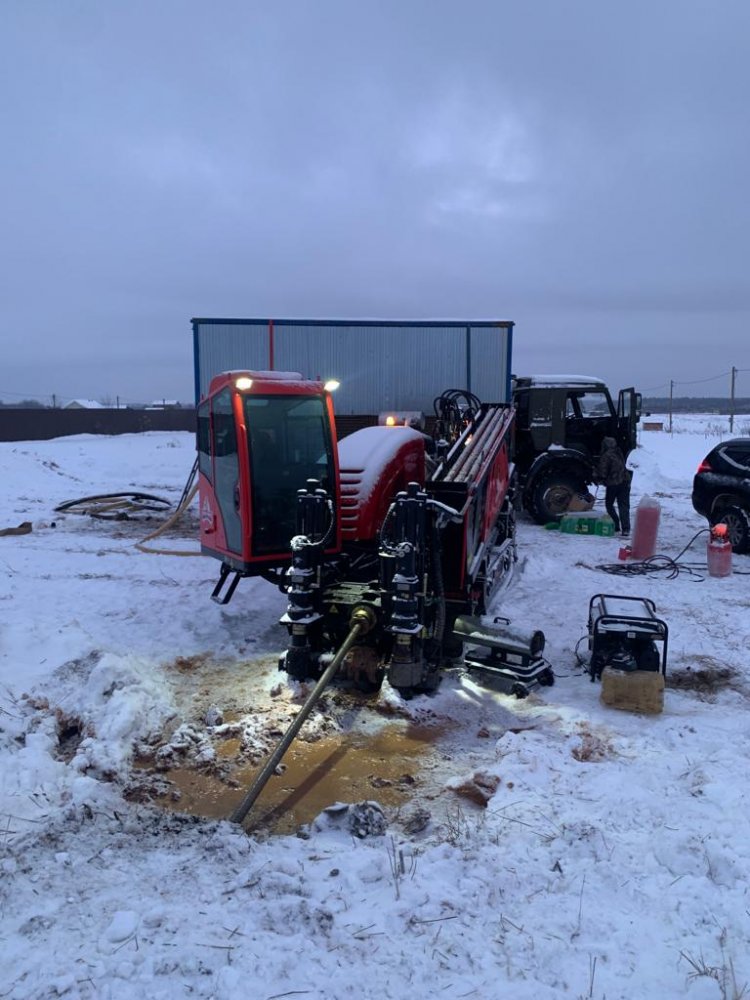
[(381, 364)]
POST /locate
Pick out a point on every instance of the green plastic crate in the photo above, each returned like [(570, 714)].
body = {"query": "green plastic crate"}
[(583, 523), (587, 523)]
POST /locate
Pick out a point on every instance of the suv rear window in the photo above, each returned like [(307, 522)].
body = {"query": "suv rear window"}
[(737, 456)]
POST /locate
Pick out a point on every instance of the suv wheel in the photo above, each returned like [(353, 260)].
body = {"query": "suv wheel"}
[(737, 521)]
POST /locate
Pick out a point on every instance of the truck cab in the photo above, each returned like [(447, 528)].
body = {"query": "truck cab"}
[(560, 425)]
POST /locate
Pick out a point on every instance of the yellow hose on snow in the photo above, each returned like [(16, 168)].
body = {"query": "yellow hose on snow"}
[(141, 546)]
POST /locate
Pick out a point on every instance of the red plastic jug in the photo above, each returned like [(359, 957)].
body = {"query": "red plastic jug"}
[(646, 528), (719, 552)]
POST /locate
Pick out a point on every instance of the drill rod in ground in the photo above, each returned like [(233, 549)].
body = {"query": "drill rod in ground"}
[(259, 784)]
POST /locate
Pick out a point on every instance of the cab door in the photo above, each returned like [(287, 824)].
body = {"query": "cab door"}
[(226, 468), (628, 415), (590, 418)]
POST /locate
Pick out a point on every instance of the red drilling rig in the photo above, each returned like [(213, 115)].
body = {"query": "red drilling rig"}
[(389, 543)]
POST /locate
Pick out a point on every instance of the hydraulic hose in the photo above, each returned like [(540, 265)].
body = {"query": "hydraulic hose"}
[(113, 506), (141, 546), (437, 570)]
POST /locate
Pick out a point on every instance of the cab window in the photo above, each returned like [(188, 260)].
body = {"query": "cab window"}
[(591, 404), (204, 440), (289, 442)]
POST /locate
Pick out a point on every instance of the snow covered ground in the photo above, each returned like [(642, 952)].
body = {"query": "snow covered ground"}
[(611, 859)]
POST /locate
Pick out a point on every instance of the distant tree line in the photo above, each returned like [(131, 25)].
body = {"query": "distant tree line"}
[(651, 404), (695, 404), (106, 401)]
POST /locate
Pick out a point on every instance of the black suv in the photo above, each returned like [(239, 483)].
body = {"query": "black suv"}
[(721, 490)]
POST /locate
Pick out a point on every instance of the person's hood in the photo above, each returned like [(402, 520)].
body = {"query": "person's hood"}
[(608, 443)]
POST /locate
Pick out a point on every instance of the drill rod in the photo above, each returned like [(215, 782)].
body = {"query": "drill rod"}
[(260, 782)]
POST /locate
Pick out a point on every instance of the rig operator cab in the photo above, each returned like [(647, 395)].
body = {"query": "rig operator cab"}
[(261, 437)]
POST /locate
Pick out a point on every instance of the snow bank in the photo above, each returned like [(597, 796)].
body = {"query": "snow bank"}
[(611, 858)]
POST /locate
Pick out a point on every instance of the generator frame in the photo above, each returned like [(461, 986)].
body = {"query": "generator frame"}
[(606, 624)]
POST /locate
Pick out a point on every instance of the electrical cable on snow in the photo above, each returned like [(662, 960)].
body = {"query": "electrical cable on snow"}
[(652, 567), (658, 564), (579, 658)]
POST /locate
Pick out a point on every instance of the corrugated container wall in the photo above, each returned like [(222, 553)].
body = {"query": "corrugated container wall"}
[(381, 365)]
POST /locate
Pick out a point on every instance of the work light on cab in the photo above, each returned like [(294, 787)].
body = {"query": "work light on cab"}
[(331, 385), (401, 418), (243, 382)]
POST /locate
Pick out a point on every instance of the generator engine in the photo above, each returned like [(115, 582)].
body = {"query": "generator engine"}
[(624, 633)]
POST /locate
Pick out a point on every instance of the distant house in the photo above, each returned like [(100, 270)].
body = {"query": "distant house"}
[(84, 404), (164, 404)]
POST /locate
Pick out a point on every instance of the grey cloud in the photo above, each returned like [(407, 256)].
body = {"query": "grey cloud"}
[(580, 168)]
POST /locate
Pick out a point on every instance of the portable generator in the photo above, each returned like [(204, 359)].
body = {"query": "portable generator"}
[(624, 633)]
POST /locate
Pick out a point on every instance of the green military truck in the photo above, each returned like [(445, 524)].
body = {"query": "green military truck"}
[(561, 421)]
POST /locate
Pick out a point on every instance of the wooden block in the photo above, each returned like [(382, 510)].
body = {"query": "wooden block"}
[(634, 690), (579, 502)]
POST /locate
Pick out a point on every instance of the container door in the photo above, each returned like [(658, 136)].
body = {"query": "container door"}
[(227, 469)]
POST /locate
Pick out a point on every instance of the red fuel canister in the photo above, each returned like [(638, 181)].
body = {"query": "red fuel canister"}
[(646, 528), (719, 552)]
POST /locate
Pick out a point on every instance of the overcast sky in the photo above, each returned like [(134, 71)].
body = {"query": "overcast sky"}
[(581, 168)]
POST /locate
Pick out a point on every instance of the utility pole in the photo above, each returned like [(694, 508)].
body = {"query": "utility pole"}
[(54, 401), (671, 392), (731, 402), (118, 402)]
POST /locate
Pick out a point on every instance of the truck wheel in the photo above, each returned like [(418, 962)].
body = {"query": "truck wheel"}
[(737, 521), (553, 492)]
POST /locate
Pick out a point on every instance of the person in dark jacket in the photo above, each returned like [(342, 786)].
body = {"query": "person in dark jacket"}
[(615, 476)]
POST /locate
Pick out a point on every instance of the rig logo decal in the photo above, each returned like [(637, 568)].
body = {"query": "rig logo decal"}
[(207, 514)]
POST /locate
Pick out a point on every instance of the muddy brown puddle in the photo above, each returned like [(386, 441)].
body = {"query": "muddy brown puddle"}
[(392, 766)]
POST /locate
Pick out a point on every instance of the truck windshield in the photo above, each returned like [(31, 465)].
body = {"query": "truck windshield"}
[(593, 404), (289, 442)]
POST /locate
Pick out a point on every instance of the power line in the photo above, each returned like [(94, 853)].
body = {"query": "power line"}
[(26, 395), (37, 396), (697, 381)]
